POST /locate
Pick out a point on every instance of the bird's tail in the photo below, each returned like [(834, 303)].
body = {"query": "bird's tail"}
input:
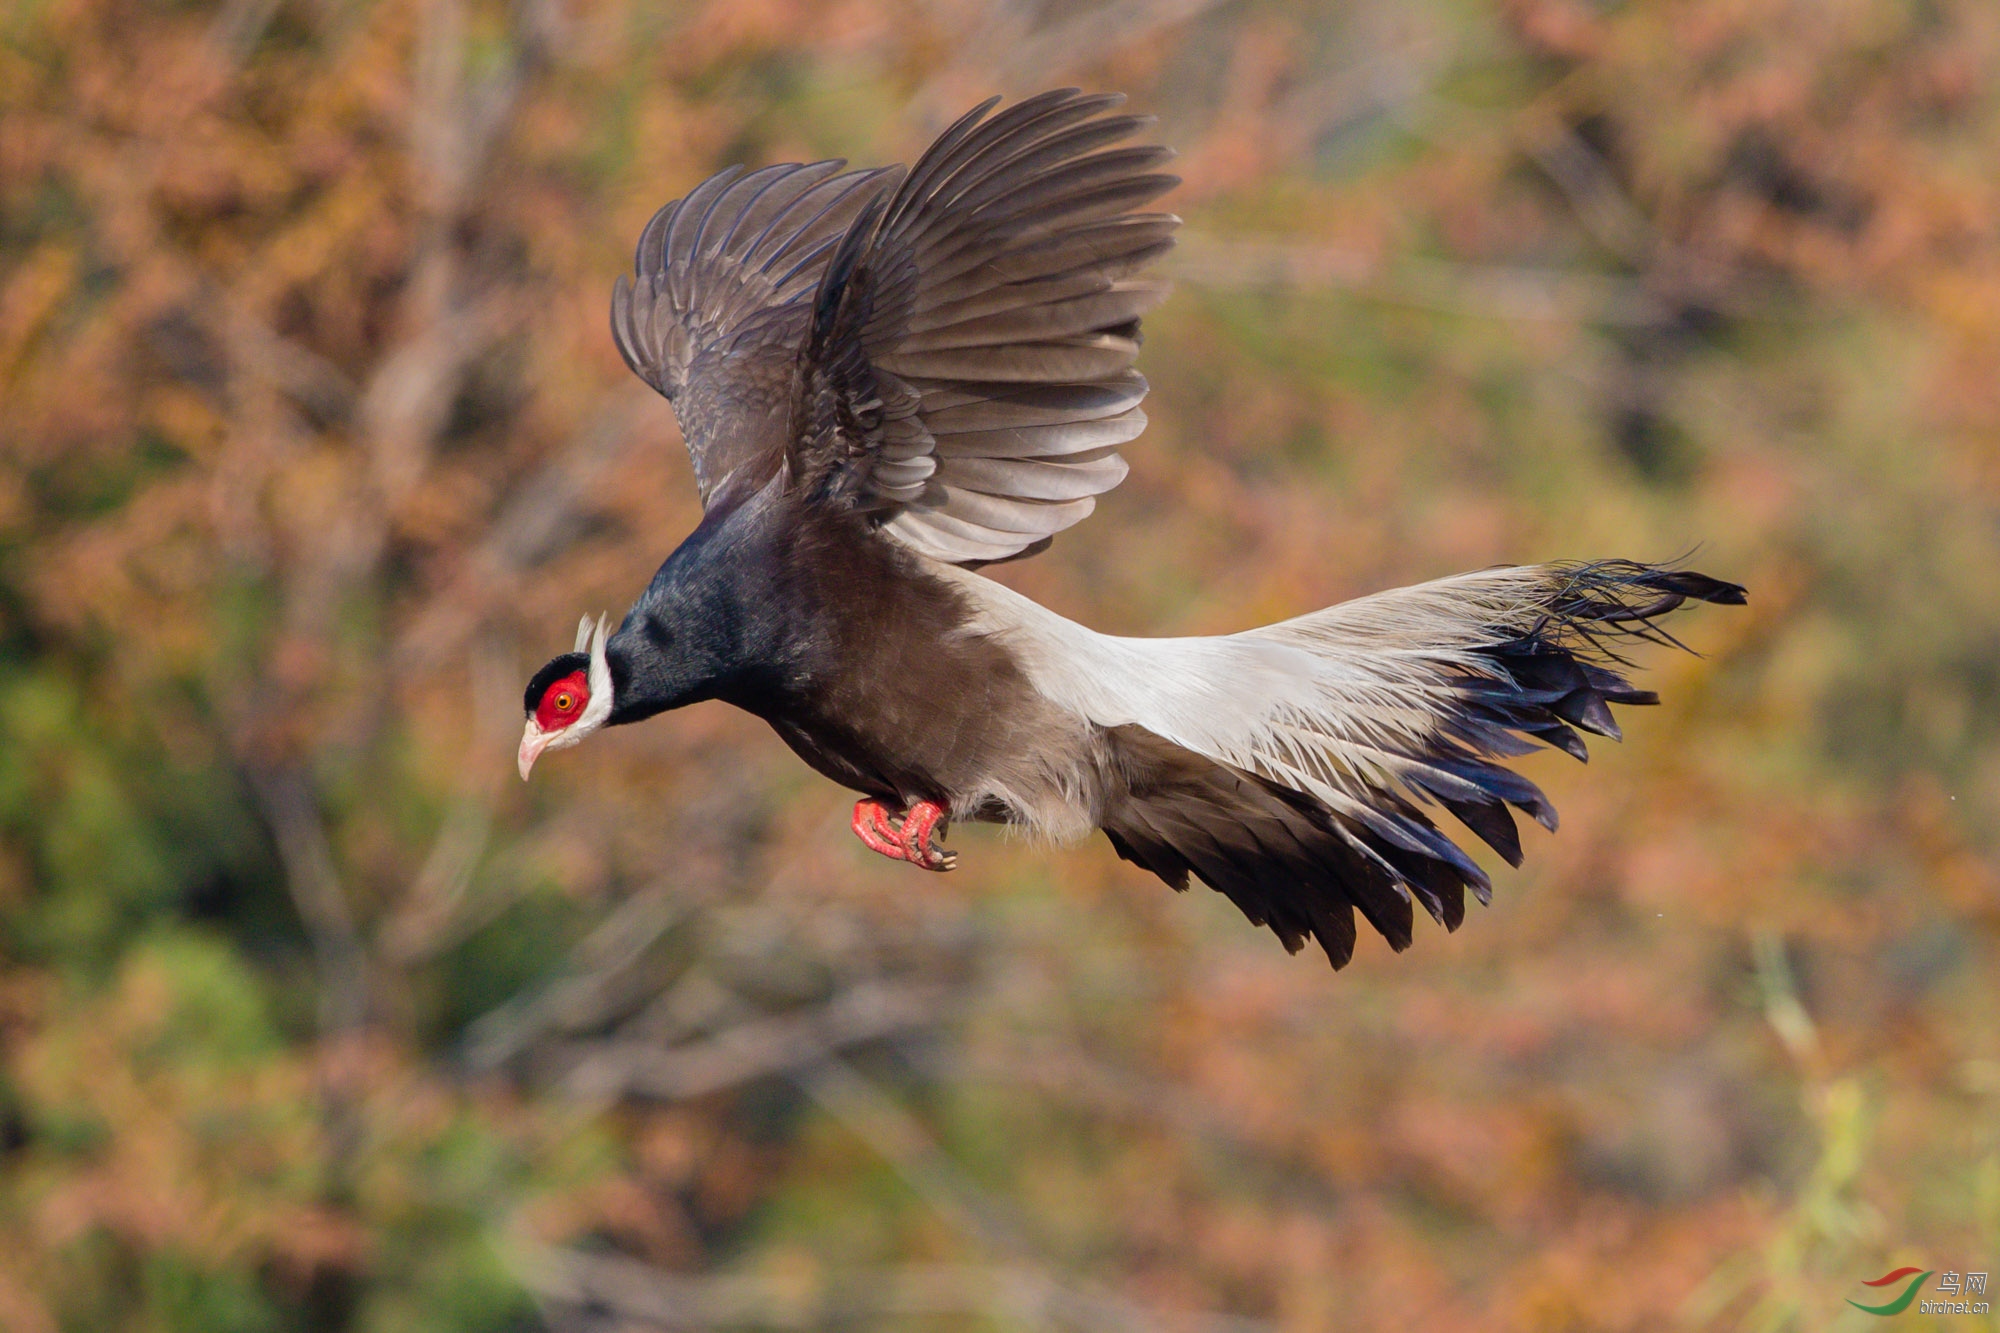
[(1294, 766)]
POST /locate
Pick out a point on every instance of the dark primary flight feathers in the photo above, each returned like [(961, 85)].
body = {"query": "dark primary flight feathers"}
[(889, 378), (968, 327)]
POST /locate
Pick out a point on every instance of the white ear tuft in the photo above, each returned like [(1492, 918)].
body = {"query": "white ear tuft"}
[(599, 706), (582, 635)]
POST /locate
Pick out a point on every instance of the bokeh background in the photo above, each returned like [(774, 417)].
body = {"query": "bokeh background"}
[(313, 444)]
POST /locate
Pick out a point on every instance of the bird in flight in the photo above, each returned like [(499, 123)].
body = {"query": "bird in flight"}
[(888, 379)]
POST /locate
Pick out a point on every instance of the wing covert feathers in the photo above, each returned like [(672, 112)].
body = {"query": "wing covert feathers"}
[(1297, 768), (969, 371)]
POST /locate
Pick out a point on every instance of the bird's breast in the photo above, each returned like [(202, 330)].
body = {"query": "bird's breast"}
[(889, 691)]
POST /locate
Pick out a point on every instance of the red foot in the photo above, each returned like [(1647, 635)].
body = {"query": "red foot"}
[(905, 837), (872, 826)]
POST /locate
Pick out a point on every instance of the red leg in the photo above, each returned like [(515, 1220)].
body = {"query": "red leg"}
[(872, 825), (916, 838)]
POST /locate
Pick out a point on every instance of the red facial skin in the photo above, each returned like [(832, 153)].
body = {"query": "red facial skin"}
[(562, 702)]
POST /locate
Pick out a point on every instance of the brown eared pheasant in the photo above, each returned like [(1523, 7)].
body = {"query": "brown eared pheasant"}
[(890, 378)]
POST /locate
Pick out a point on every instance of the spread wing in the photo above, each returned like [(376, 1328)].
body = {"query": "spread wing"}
[(967, 371), (717, 307)]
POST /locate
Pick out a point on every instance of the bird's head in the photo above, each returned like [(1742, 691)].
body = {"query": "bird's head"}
[(569, 698)]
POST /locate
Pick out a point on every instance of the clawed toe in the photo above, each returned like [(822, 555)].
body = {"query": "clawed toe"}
[(932, 858), (919, 824), (877, 830)]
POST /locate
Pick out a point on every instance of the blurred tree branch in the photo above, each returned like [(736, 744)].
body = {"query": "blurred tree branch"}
[(1486, 291), (581, 1285), (752, 1048)]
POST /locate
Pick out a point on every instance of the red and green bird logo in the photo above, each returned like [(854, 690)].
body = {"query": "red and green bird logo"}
[(1902, 1302)]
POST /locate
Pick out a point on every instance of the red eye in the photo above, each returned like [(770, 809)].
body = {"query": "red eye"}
[(562, 701)]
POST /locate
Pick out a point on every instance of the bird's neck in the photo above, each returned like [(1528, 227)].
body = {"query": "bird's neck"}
[(719, 619)]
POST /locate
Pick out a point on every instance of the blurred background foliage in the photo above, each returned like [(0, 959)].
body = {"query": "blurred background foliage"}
[(313, 443)]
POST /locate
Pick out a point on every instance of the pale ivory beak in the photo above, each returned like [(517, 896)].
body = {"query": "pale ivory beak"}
[(533, 741)]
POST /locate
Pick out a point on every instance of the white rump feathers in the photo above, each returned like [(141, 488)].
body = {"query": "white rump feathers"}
[(1343, 703)]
